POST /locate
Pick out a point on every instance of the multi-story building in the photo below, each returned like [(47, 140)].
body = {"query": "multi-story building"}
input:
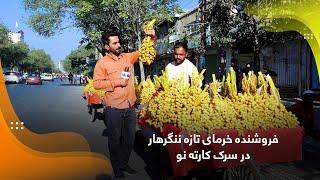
[(16, 37)]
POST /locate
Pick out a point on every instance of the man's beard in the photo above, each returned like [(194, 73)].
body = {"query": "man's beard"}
[(179, 61), (116, 52)]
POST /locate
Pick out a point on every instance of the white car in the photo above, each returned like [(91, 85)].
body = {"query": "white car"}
[(42, 75), (47, 77), (12, 77)]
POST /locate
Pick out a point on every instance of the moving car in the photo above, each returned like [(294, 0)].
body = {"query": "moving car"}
[(47, 77), (12, 77), (34, 79)]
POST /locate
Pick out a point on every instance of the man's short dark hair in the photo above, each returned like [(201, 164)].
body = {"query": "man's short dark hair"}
[(181, 44), (105, 37)]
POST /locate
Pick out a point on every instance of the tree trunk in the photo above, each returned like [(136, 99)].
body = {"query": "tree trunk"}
[(228, 57)]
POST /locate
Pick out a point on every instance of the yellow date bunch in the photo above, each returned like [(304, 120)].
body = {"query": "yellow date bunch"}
[(196, 109), (147, 50), (145, 91), (90, 89)]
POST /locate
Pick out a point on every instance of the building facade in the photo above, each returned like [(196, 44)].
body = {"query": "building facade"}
[(16, 37)]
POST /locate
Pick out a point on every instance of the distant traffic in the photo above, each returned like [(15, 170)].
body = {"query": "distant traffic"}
[(33, 78)]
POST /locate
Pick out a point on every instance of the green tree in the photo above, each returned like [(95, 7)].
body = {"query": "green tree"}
[(4, 41), (39, 60), (4, 38), (19, 55), (231, 24), (14, 54), (67, 65), (95, 17), (76, 60)]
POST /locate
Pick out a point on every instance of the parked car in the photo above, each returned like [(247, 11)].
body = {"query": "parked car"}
[(12, 77), (47, 77), (34, 79)]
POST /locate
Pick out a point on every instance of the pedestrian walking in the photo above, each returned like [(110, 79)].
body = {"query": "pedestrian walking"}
[(70, 78), (78, 78), (81, 79), (120, 115), (75, 79)]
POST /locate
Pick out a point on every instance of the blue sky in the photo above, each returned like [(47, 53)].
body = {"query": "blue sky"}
[(58, 46)]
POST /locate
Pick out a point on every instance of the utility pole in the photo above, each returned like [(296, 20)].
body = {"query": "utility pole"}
[(203, 29)]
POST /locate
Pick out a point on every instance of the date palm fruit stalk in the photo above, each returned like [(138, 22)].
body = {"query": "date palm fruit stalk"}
[(147, 50), (192, 109)]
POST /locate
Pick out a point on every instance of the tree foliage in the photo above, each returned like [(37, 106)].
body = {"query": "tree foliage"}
[(46, 15), (4, 38), (13, 55), (231, 24), (20, 56), (39, 60), (76, 60), (95, 17)]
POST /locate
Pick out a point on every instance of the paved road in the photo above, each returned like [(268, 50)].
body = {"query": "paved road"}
[(57, 106)]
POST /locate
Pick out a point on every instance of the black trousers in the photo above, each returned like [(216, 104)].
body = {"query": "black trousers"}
[(121, 124)]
